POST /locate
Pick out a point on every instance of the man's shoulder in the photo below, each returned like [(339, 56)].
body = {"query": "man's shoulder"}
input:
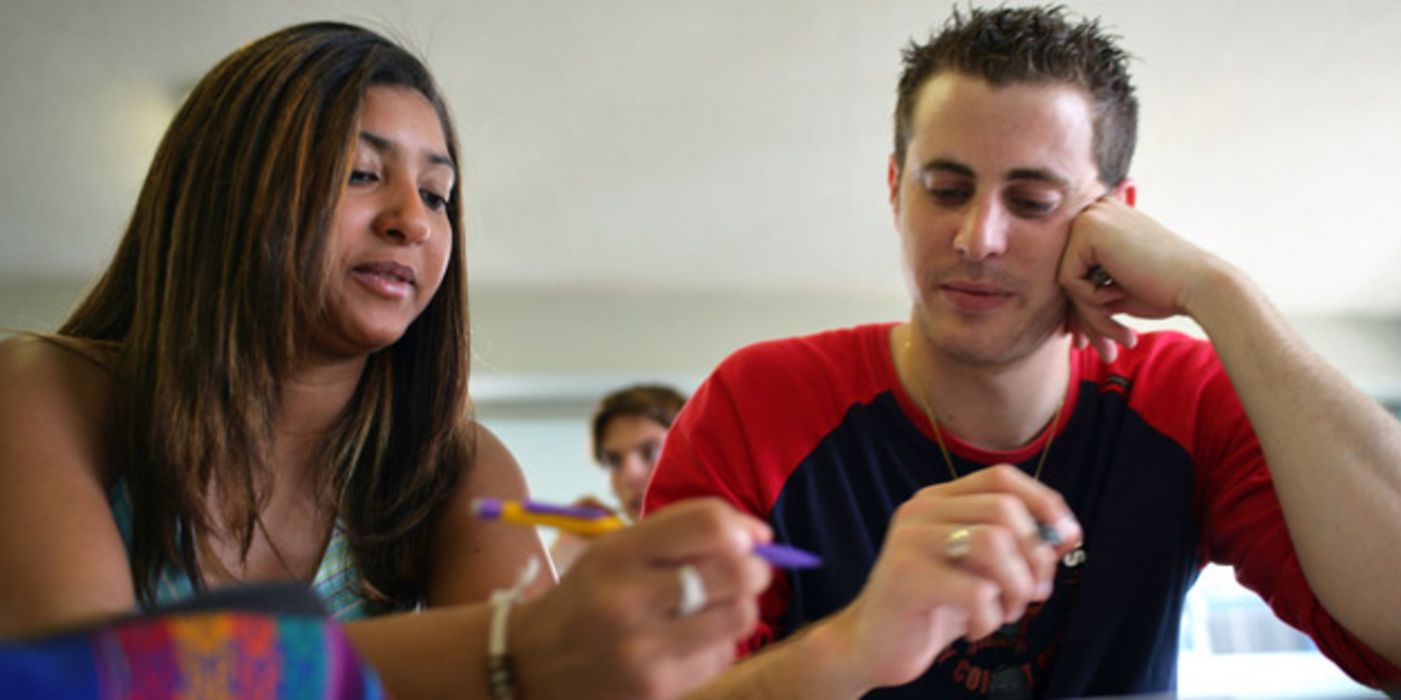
[(834, 351), (817, 376), (1172, 381), (1159, 357)]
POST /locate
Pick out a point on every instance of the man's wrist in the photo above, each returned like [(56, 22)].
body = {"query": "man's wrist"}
[(1216, 289)]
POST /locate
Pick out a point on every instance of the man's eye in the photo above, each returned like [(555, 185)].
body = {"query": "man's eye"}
[(949, 196), (1033, 207), (651, 451)]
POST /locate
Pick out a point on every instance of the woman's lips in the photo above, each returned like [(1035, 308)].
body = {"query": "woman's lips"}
[(387, 279)]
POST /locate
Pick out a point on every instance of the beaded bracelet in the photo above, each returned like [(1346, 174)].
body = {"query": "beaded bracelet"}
[(500, 672)]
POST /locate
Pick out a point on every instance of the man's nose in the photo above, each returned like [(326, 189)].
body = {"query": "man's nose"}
[(635, 468), (983, 232)]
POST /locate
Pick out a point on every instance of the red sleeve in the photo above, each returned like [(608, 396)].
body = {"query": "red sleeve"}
[(1242, 523), (750, 424), (706, 454)]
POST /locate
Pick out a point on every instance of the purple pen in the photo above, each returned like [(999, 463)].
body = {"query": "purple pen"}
[(787, 557), (781, 555)]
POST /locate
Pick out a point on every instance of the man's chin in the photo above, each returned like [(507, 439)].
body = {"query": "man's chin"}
[(992, 341), (984, 349)]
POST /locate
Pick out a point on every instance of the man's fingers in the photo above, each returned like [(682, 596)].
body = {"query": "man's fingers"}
[(1044, 503), (996, 555), (1008, 513), (921, 572)]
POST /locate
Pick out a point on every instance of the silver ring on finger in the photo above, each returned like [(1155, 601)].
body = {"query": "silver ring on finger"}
[(693, 596)]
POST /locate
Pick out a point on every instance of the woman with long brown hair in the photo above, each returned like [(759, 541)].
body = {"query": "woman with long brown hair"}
[(269, 382)]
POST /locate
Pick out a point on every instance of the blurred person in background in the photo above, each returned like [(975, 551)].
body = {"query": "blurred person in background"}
[(628, 428)]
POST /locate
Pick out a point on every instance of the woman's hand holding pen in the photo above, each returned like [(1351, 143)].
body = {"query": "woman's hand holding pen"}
[(613, 628), (960, 559)]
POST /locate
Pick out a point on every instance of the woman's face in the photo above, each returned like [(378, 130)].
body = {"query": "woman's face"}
[(390, 238)]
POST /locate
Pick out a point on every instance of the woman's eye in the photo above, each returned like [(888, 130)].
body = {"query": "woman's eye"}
[(435, 201), (360, 177)]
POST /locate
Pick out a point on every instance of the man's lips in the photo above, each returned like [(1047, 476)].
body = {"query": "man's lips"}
[(975, 288), (973, 296)]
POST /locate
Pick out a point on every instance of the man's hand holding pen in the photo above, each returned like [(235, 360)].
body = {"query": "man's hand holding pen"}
[(961, 559)]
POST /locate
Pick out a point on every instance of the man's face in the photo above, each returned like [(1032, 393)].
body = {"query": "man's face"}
[(991, 181), (629, 449)]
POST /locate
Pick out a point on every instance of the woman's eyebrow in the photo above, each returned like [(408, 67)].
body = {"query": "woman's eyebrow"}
[(383, 145)]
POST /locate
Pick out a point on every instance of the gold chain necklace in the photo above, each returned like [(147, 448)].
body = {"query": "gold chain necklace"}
[(939, 434)]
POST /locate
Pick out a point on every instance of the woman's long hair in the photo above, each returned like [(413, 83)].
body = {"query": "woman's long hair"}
[(211, 297)]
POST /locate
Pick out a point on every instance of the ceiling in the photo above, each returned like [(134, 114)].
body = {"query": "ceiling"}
[(634, 148)]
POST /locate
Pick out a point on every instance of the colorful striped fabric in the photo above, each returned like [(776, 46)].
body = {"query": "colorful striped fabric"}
[(211, 655), (337, 581)]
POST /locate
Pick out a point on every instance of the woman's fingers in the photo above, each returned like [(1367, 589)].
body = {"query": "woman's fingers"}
[(697, 528), (655, 608), (729, 620), (720, 580)]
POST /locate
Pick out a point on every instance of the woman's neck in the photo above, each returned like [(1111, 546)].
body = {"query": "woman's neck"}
[(314, 396)]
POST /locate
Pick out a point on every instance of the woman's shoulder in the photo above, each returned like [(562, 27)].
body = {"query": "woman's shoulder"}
[(57, 366), (48, 353), (55, 395)]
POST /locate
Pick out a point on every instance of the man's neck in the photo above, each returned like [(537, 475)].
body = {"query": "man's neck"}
[(995, 407)]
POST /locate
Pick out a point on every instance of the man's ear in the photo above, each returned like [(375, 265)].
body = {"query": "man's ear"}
[(1126, 191)]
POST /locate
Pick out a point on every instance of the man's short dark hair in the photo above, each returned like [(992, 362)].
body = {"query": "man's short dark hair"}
[(657, 402), (1031, 45)]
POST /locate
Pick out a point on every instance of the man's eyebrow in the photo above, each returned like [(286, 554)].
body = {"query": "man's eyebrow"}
[(1039, 174), (957, 168), (380, 143), (947, 165)]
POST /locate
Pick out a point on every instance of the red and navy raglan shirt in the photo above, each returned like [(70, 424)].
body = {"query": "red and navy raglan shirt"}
[(1153, 453)]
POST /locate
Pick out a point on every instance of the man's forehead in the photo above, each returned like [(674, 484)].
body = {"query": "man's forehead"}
[(621, 447), (960, 88), (1018, 130), (628, 434)]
